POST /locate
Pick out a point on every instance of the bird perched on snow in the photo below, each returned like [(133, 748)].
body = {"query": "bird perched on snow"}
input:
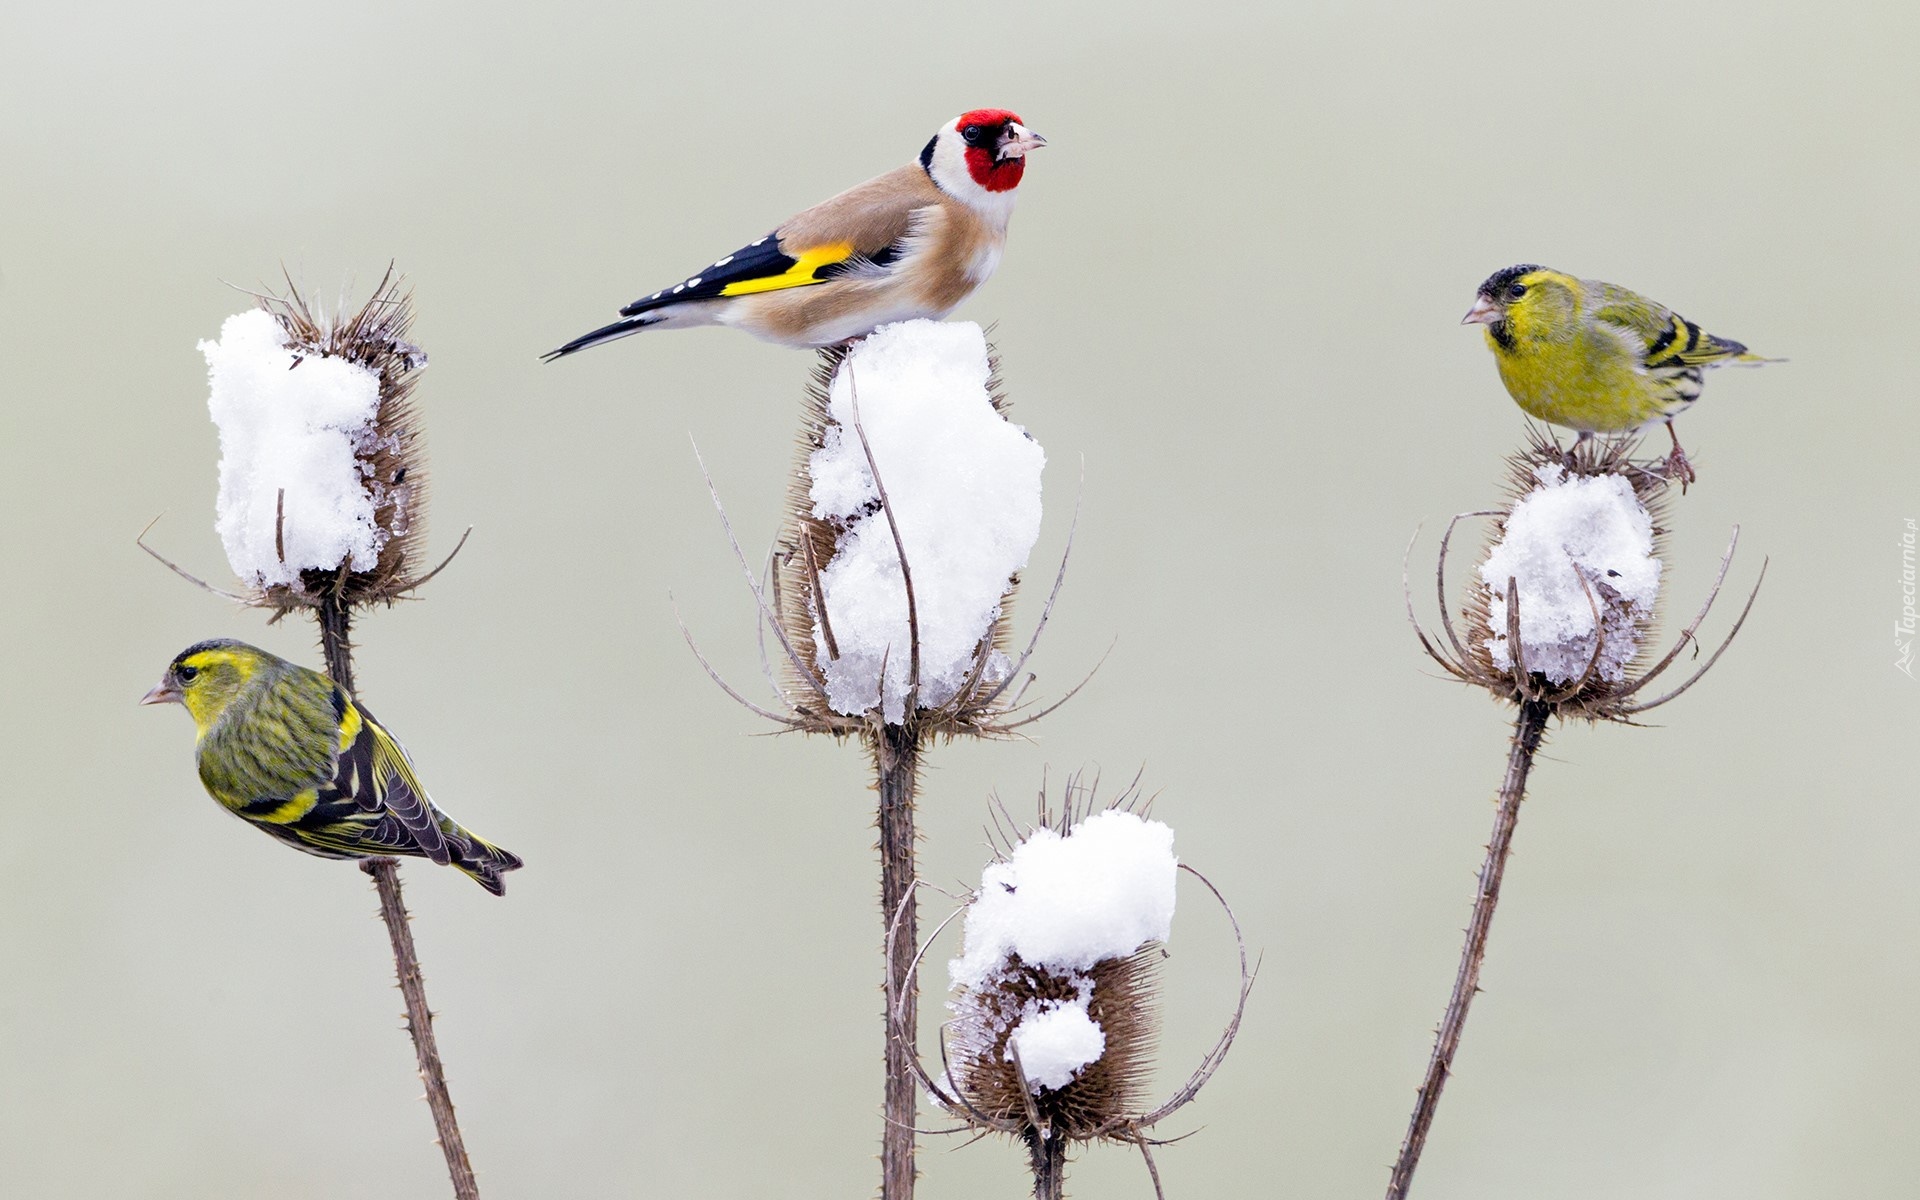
[(286, 749), (913, 242), (1594, 356)]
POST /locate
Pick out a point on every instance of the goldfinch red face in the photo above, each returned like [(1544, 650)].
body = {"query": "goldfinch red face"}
[(980, 156)]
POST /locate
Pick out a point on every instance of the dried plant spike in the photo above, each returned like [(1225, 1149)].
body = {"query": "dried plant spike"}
[(1054, 998), (1565, 602), (1568, 538), (914, 507), (1062, 949), (322, 472), (182, 572)]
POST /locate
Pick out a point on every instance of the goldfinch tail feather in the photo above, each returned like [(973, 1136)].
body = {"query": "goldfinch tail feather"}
[(625, 327)]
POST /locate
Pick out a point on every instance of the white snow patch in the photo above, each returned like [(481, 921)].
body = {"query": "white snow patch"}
[(964, 484), (298, 422), (1057, 1043), (1066, 903), (1567, 530)]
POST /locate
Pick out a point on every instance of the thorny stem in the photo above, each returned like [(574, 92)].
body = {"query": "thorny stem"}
[(336, 646), (1049, 1158), (1528, 730), (336, 649), (406, 964), (896, 758)]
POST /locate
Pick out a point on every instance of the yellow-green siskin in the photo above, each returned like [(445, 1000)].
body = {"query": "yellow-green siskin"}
[(1594, 356), (286, 749)]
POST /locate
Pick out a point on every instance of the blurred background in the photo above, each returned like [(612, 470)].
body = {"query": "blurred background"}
[(1231, 297)]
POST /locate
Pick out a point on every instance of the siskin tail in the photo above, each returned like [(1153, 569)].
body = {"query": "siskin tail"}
[(484, 863)]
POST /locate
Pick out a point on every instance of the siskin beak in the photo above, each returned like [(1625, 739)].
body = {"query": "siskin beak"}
[(1483, 312), (162, 693), (1020, 139)]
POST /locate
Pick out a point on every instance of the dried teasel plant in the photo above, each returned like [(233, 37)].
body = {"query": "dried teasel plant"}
[(990, 700), (322, 508), (1560, 622), (1056, 1017), (891, 617), (1596, 672), (981, 703), (333, 547)]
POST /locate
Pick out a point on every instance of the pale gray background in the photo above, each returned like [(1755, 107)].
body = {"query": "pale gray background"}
[(1232, 289)]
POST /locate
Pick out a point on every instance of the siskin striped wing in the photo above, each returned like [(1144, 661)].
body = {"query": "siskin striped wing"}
[(1681, 343), (374, 772), (1672, 342)]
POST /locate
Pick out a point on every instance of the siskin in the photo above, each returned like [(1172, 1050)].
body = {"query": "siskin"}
[(286, 749), (1594, 356)]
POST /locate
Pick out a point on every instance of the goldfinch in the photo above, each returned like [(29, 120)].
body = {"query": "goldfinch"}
[(1594, 356), (914, 242), (286, 749)]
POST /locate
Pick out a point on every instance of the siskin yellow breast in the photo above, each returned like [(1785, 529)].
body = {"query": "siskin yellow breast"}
[(1591, 382)]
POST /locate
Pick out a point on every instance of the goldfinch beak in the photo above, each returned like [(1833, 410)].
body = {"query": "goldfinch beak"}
[(1483, 312), (162, 693), (1019, 140)]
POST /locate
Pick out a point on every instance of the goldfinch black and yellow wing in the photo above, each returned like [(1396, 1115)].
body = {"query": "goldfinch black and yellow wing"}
[(864, 228), (766, 265)]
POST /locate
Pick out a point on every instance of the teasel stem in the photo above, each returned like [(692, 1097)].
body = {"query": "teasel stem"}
[(335, 618), (1049, 1157), (896, 759), (1528, 730), (406, 965)]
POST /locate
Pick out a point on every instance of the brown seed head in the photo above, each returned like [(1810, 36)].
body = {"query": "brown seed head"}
[(1597, 666), (1107, 1093), (391, 454), (807, 547)]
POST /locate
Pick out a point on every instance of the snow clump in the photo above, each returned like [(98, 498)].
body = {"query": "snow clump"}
[(1572, 545), (964, 485), (299, 422)]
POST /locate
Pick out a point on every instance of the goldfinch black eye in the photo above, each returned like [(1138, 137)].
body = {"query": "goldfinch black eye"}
[(187, 673), (972, 134), (1516, 290)]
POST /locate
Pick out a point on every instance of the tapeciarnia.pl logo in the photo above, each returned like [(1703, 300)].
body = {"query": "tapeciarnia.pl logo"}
[(1903, 629)]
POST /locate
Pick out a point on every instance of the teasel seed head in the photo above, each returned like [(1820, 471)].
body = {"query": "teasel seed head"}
[(1563, 607), (912, 509), (323, 479), (1055, 997)]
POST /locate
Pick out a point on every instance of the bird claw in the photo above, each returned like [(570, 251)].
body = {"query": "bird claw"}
[(1678, 467)]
